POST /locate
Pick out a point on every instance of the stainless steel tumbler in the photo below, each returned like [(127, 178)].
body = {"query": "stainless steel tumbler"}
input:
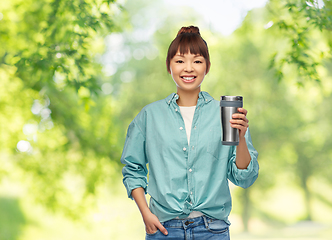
[(229, 106)]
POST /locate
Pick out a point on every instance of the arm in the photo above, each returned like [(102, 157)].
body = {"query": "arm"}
[(135, 175), (240, 122), (243, 157), (242, 166), (151, 221)]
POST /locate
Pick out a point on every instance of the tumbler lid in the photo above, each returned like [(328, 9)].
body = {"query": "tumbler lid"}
[(231, 101), (231, 98)]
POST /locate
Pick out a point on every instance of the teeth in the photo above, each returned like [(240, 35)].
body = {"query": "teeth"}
[(188, 78)]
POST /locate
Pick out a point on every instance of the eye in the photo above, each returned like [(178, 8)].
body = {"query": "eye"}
[(198, 61), (179, 61)]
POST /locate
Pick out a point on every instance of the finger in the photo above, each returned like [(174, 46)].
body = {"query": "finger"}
[(151, 229), (240, 116), (242, 110), (151, 232), (239, 122), (162, 229), (240, 127)]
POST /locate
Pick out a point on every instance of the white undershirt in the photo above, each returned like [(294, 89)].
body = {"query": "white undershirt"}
[(188, 115)]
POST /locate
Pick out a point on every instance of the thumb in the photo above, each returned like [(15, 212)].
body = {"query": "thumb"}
[(162, 229)]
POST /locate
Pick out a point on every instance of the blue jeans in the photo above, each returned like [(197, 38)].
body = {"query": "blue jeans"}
[(196, 228)]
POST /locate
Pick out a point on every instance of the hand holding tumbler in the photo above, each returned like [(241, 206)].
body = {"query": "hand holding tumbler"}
[(229, 106)]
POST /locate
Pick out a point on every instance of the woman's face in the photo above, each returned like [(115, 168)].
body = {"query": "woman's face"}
[(188, 71)]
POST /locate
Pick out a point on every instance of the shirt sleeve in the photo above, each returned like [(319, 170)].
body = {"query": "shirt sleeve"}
[(243, 177), (133, 156)]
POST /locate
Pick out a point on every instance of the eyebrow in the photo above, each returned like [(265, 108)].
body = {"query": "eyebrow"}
[(182, 55)]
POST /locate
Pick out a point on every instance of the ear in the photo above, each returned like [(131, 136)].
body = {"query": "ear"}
[(208, 69), (168, 68)]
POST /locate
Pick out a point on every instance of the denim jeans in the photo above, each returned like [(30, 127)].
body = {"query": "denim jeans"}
[(204, 228)]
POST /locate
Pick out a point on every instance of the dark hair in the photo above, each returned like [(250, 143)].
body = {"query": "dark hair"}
[(187, 40)]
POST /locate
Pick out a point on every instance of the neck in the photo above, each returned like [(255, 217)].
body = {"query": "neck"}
[(186, 98)]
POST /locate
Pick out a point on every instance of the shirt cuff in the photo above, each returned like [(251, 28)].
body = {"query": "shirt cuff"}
[(132, 184), (249, 172)]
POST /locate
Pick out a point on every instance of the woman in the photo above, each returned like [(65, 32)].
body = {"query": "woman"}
[(189, 168)]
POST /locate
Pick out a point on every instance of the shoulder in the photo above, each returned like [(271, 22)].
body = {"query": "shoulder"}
[(159, 105), (153, 108), (150, 110), (214, 104), (155, 105)]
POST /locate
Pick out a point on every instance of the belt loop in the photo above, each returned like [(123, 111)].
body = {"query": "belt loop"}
[(205, 221)]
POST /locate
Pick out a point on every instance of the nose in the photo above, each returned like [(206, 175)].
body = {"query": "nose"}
[(188, 67)]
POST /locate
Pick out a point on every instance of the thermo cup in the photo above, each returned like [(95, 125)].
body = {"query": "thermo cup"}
[(229, 106)]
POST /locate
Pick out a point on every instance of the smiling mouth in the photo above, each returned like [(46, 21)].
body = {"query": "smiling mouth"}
[(188, 79)]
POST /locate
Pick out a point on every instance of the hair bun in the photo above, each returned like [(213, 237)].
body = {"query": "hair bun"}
[(190, 29)]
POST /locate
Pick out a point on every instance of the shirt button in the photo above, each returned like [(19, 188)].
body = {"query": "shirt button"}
[(176, 109), (181, 128), (192, 147), (184, 149), (191, 193), (190, 170), (195, 127)]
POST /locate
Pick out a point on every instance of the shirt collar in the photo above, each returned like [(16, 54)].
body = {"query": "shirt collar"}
[(205, 96), (202, 96), (172, 97)]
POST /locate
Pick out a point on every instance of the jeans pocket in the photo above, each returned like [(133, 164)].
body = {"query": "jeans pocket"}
[(217, 226), (152, 234)]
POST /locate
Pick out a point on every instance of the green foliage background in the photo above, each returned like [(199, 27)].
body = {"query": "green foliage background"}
[(73, 74)]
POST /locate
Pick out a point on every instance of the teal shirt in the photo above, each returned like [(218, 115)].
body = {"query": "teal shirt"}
[(183, 178)]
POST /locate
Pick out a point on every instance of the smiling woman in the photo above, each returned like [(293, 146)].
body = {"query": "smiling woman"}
[(174, 135)]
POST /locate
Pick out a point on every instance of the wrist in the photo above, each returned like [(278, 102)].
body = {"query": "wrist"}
[(242, 139), (145, 211)]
